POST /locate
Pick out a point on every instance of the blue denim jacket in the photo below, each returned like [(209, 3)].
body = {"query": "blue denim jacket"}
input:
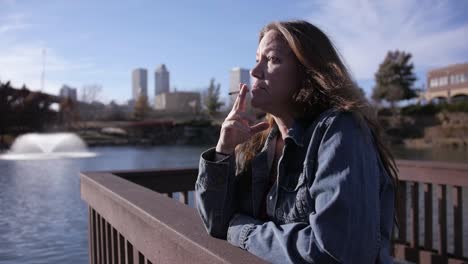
[(332, 201)]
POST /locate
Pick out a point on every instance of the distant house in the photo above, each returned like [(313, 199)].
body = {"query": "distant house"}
[(449, 84), (68, 92), (181, 102)]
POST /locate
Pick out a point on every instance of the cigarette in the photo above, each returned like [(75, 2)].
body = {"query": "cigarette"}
[(235, 92)]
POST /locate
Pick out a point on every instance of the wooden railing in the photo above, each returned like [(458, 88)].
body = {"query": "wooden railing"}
[(421, 182), (132, 221), (136, 217)]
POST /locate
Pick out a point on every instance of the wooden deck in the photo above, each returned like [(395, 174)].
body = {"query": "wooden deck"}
[(135, 218)]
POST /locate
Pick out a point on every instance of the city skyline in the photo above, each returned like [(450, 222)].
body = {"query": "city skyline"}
[(161, 80), (139, 83), (87, 42), (238, 75)]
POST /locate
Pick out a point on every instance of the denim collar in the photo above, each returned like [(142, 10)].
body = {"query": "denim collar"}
[(271, 136), (296, 133)]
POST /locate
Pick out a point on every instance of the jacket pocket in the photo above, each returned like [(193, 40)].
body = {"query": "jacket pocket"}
[(290, 185), (296, 204)]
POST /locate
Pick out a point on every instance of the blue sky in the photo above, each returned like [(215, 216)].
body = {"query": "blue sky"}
[(100, 42)]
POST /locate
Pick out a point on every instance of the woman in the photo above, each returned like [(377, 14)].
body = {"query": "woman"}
[(312, 184)]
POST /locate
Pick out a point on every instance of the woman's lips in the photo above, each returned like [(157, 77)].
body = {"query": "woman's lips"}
[(256, 89), (257, 86)]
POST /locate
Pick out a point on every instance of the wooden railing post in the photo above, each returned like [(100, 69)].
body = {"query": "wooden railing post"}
[(442, 224), (183, 197), (109, 243), (415, 215), (457, 220), (428, 216), (115, 246), (402, 212), (92, 236), (104, 240), (100, 240), (122, 250)]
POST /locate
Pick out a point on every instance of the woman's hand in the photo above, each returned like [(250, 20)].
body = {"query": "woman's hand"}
[(236, 128)]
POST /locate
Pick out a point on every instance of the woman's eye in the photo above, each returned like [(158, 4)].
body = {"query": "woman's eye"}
[(273, 59)]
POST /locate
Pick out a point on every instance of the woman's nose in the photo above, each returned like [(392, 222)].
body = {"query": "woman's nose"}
[(257, 72)]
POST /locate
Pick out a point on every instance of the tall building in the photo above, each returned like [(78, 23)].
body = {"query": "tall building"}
[(237, 76), (68, 92), (139, 83), (448, 83), (161, 80)]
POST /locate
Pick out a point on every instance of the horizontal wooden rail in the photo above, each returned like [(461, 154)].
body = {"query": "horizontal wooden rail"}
[(419, 183), (132, 218), (130, 223), (433, 172)]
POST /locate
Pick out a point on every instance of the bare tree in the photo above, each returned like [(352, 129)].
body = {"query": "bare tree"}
[(90, 93), (142, 108)]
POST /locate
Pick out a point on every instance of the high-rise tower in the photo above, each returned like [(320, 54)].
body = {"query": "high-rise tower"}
[(139, 83), (237, 76), (161, 80)]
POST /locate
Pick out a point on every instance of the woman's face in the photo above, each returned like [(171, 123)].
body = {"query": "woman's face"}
[(275, 75)]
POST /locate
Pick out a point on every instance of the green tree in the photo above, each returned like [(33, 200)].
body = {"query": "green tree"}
[(361, 91), (142, 108), (23, 110), (395, 78), (68, 114), (211, 100), (34, 110), (6, 110)]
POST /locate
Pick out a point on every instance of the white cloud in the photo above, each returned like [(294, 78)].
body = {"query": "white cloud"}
[(22, 59), (23, 64), (365, 30), (12, 23), (7, 2)]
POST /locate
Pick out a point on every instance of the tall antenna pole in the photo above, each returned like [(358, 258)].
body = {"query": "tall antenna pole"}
[(43, 69)]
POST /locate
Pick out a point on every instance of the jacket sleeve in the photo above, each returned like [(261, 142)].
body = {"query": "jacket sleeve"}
[(214, 191), (343, 227)]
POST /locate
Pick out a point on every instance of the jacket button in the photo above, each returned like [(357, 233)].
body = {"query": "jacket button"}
[(279, 213), (220, 180)]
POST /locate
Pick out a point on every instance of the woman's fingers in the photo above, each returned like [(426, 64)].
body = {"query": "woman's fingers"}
[(235, 106), (233, 125), (259, 128), (242, 97), (243, 117), (236, 128), (234, 132), (240, 103)]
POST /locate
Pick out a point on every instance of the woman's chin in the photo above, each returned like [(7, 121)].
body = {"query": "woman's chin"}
[(257, 104)]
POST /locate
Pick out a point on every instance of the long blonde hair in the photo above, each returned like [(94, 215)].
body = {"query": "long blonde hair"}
[(326, 85)]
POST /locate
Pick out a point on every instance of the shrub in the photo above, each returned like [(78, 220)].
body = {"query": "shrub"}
[(428, 109), (457, 107)]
